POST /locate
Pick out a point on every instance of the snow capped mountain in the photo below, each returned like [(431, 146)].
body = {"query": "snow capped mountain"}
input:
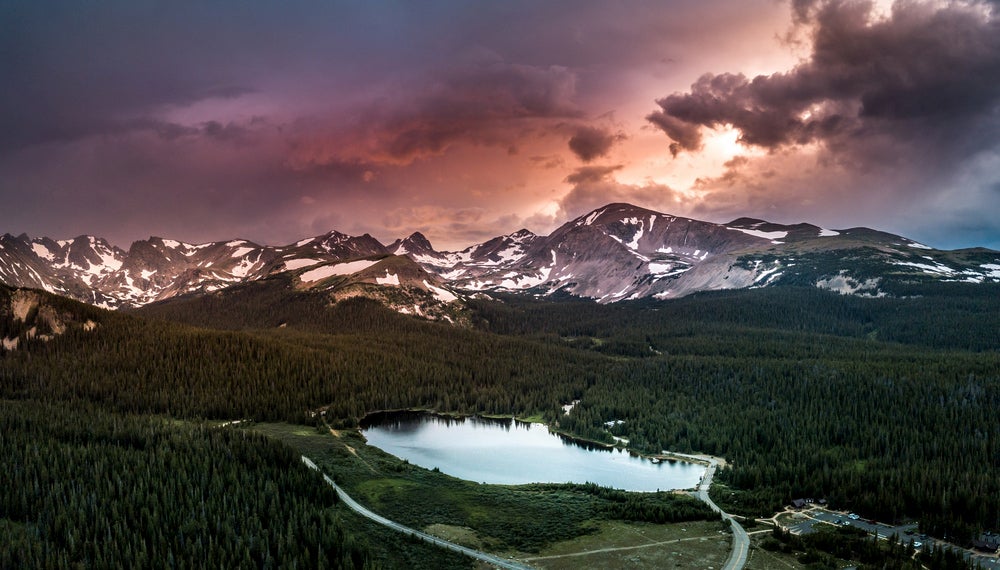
[(622, 252), (91, 270), (74, 268), (613, 253), (339, 246), (463, 267), (416, 247)]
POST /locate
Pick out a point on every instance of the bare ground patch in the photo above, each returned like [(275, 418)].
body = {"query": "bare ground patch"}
[(457, 534), (640, 545)]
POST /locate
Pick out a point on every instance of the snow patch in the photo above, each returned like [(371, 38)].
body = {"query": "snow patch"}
[(109, 262), (823, 232), (389, 279), (663, 270), (937, 269), (193, 249), (919, 245), (762, 234), (426, 259), (43, 252), (527, 281), (593, 216), (634, 244), (847, 285), (243, 268), (241, 251), (293, 264), (172, 244), (767, 273), (338, 269), (443, 295)]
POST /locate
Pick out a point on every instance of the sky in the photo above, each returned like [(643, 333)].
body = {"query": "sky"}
[(274, 121)]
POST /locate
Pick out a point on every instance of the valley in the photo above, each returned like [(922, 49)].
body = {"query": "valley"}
[(882, 403)]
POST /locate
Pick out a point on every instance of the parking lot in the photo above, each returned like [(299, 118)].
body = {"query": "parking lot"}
[(806, 520)]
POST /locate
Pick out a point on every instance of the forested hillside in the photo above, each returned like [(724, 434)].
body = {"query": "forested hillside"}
[(885, 406), (87, 489)]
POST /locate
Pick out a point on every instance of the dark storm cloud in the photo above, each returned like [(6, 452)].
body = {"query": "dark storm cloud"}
[(891, 120), (477, 102), (595, 186), (589, 174), (74, 69), (588, 143), (490, 103), (925, 74)]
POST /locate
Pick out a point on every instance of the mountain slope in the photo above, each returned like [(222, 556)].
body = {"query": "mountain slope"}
[(90, 270), (613, 253), (621, 252), (396, 282)]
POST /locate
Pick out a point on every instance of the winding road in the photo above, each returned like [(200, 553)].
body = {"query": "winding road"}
[(356, 507), (741, 540)]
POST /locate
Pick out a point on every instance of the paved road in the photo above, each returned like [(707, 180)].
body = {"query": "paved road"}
[(356, 507), (741, 541)]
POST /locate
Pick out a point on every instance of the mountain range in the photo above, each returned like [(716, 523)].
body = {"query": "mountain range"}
[(613, 253)]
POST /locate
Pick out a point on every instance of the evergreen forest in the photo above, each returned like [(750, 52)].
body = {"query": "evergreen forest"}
[(884, 406)]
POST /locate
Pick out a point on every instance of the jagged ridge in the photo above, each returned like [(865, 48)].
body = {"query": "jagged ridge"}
[(616, 252)]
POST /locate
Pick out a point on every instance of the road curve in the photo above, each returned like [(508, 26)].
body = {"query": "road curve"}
[(741, 540), (356, 507)]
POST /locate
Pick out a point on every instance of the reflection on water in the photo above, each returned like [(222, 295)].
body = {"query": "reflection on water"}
[(509, 452)]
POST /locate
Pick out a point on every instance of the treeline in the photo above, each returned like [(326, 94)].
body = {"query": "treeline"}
[(891, 433), (142, 366), (940, 315), (660, 507), (83, 488)]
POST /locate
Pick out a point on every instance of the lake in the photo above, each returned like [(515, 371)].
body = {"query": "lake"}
[(509, 452)]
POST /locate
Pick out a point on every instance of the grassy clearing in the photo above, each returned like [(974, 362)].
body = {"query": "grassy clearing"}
[(619, 544), (520, 520)]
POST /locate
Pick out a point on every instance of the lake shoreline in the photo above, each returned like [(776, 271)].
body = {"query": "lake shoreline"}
[(384, 419)]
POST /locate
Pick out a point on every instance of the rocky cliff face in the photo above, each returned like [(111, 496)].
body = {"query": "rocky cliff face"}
[(28, 315)]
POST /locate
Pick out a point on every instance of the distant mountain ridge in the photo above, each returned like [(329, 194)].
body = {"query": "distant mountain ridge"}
[(613, 253)]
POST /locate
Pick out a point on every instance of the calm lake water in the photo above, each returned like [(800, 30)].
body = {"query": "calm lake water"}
[(509, 452)]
